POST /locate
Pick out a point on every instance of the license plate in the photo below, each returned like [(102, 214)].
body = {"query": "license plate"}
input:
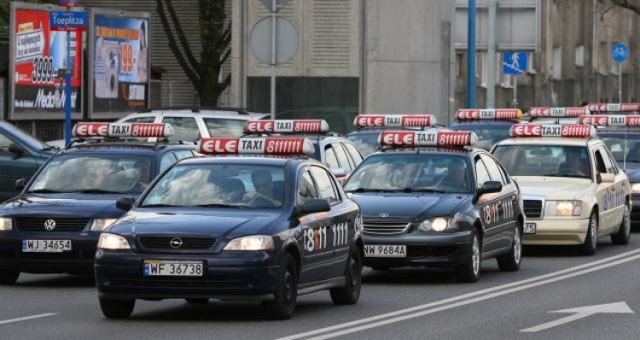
[(529, 228), (46, 246), (173, 268), (385, 251)]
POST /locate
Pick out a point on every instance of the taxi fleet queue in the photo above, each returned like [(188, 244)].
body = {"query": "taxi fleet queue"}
[(268, 216)]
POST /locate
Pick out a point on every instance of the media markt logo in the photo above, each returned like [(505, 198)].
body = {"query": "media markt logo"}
[(53, 100)]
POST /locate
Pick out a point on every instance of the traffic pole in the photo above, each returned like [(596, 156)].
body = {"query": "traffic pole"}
[(491, 55), (471, 61), (67, 92), (620, 83), (274, 32)]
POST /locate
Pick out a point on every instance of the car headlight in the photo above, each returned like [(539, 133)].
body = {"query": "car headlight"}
[(6, 224), (250, 243), (563, 208), (438, 224), (113, 242), (635, 188), (101, 224)]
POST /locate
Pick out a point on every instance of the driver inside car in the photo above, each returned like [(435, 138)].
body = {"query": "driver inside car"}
[(265, 188), (456, 177), (574, 164)]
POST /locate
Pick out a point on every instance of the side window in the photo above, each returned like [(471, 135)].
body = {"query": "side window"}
[(326, 189), (219, 127), (609, 163), (185, 128), (482, 175), (330, 158), (355, 154), (4, 143), (166, 161), (342, 157), (148, 119), (306, 188), (492, 167), (183, 154), (352, 164), (600, 165)]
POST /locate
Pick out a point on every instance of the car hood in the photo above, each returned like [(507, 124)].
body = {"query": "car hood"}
[(408, 207), (561, 188), (633, 174), (210, 222), (62, 205)]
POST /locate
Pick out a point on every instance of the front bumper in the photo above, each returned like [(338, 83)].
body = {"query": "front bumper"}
[(77, 261), (227, 276), (444, 250), (557, 232)]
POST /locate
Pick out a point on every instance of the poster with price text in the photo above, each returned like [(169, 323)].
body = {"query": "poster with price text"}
[(39, 61), (120, 69)]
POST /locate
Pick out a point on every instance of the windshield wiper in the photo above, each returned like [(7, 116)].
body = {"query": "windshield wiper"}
[(219, 205), (440, 191), (45, 191), (371, 190), (160, 205), (96, 191)]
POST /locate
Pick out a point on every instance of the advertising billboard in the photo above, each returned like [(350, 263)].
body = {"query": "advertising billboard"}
[(38, 63), (119, 76)]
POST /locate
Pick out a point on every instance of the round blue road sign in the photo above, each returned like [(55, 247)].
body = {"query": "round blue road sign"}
[(619, 52)]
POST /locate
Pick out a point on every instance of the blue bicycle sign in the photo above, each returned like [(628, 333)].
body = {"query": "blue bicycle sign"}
[(619, 52)]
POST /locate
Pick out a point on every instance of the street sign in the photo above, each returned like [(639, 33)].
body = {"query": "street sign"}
[(279, 4), (619, 52), (514, 63), (286, 44), (68, 21)]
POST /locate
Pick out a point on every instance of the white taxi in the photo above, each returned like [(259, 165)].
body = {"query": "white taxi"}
[(573, 191)]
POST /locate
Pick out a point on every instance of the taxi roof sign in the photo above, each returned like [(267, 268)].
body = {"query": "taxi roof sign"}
[(552, 130), (614, 107), (493, 114), (558, 112), (394, 120), (610, 120), (286, 126), (427, 138), (256, 146), (101, 129)]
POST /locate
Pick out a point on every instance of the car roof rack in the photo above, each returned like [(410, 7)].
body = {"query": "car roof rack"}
[(197, 109)]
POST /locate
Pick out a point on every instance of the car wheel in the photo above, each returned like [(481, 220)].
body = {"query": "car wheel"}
[(624, 232), (470, 271), (350, 293), (510, 262), (8, 277), (284, 298), (116, 309), (197, 301), (591, 240)]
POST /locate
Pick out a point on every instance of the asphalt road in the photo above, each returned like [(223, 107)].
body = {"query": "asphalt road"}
[(397, 304)]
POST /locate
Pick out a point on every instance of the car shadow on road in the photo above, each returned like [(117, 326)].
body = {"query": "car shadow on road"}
[(58, 281), (418, 276)]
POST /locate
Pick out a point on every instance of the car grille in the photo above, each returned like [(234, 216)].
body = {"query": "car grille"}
[(378, 227), (188, 243), (532, 208), (61, 224)]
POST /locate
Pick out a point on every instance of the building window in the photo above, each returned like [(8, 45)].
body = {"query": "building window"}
[(557, 63), (580, 56)]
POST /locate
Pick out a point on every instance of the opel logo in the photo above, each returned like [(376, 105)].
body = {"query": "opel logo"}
[(384, 215), (175, 243), (49, 224)]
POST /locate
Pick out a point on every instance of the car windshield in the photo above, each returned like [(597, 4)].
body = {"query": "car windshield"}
[(219, 185), (94, 174), (430, 173), (544, 160), (221, 127), (488, 134), (33, 142), (367, 143), (623, 148)]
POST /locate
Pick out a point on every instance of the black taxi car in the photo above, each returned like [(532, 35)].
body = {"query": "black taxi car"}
[(53, 225), (427, 199), (262, 227), (490, 125)]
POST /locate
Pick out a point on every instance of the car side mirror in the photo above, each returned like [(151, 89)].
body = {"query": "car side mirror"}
[(339, 172), (488, 187), (606, 178), (125, 203), (21, 183), (314, 205), (16, 149)]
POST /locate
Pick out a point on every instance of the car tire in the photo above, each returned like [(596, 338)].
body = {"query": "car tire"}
[(196, 301), (624, 232), (350, 292), (286, 294), (510, 262), (470, 271), (8, 277), (591, 240), (116, 309)]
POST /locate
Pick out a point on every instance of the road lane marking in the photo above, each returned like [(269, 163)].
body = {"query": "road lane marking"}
[(25, 318), (528, 283), (581, 313)]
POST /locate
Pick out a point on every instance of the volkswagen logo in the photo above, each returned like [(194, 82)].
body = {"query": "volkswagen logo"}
[(49, 224), (384, 215), (175, 243)]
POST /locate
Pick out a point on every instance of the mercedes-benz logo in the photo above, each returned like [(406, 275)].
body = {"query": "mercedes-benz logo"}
[(49, 224), (383, 215), (175, 243)]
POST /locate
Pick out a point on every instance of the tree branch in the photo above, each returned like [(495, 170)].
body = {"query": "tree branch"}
[(632, 5), (181, 36)]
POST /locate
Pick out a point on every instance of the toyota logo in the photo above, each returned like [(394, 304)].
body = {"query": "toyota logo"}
[(383, 215), (175, 243), (49, 224)]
